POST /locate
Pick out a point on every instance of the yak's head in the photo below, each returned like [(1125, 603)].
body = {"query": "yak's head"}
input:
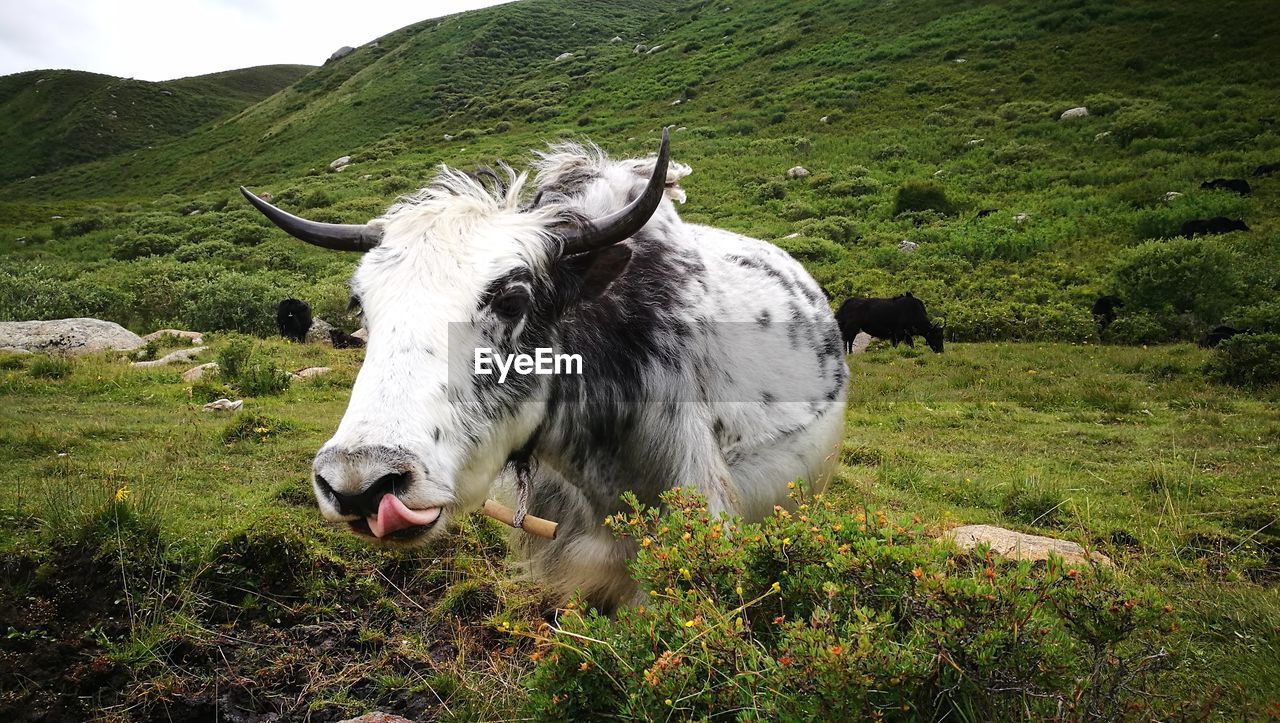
[(933, 337), (460, 267)]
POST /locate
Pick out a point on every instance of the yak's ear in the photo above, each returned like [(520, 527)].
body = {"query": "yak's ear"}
[(595, 270)]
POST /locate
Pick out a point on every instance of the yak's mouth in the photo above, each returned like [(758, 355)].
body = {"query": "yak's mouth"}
[(396, 522)]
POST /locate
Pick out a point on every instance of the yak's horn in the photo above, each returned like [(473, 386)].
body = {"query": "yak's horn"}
[(622, 224), (336, 236)]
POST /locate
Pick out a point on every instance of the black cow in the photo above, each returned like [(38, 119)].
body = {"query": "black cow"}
[(1266, 169), (896, 319), (1215, 225), (1219, 335), (293, 319), (1239, 185), (345, 341), (987, 212), (1104, 310)]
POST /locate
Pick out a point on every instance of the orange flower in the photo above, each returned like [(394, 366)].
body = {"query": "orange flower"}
[(917, 573), (989, 573)]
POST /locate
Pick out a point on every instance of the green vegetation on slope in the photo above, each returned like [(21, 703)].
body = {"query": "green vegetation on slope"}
[(872, 99), (60, 118)]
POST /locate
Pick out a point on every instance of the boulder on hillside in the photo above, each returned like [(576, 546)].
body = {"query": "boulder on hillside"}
[(319, 333), (195, 373), (563, 56), (340, 163), (1080, 112), (1021, 546), (797, 172), (361, 334), (68, 336), (310, 372), (181, 355), (194, 337), (342, 52)]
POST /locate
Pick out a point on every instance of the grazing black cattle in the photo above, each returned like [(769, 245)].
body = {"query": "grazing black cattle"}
[(1215, 225), (1239, 185), (293, 319), (896, 319), (987, 212), (345, 341), (1266, 169), (1104, 310), (1219, 335)]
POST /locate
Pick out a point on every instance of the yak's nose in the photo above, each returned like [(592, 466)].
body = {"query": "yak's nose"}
[(364, 503)]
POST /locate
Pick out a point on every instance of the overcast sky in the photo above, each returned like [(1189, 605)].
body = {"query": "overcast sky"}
[(167, 39)]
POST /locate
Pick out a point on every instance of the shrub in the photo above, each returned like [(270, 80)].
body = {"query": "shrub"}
[(854, 617), (234, 357), (150, 244), (1199, 276), (1137, 328), (1130, 124), (921, 196), (807, 248), (262, 378), (1247, 360)]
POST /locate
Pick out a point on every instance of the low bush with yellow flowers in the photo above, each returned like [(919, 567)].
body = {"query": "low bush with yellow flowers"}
[(818, 612)]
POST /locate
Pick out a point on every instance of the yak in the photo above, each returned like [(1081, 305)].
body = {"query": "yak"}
[(1104, 310), (1237, 185), (708, 361), (896, 319), (293, 319), (1215, 225)]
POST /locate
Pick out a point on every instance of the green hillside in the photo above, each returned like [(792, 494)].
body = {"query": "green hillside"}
[(959, 101), (59, 118)]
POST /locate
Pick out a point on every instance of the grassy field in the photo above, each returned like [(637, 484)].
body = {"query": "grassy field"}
[(159, 562), (1127, 450)]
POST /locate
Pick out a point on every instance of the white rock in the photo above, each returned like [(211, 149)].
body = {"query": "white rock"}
[(797, 172), (563, 56), (825, 119), (682, 128), (1021, 546), (792, 235), (311, 372), (194, 337), (362, 334), (938, 172), (961, 60), (197, 372), (640, 48), (340, 162), (1169, 196), (68, 336), (342, 52), (976, 142), (861, 342), (677, 101), (181, 355), (906, 246), (194, 213), (616, 39), (1101, 135), (448, 137), (223, 405), (1021, 218), (1079, 112), (319, 332), (653, 50)]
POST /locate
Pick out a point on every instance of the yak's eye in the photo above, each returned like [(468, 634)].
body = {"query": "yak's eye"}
[(512, 303)]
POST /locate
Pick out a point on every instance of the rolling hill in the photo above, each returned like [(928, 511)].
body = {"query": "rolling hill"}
[(59, 118)]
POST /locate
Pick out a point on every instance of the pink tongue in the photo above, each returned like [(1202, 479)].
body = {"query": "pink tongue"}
[(393, 515)]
